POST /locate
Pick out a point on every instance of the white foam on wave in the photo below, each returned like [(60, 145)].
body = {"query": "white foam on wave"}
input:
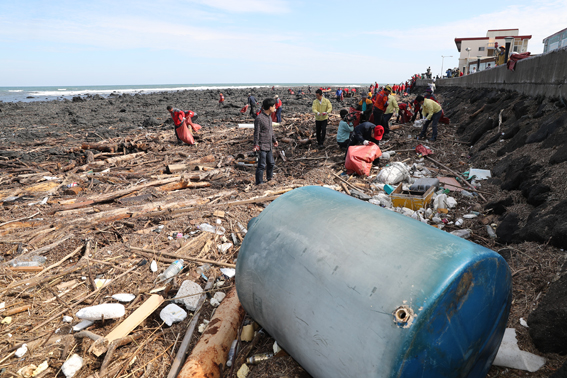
[(137, 90), (15, 90), (61, 89)]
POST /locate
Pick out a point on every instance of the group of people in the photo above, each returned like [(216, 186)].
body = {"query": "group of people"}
[(374, 109)]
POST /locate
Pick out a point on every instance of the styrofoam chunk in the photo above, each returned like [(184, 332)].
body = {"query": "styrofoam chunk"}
[(67, 319), (172, 313), (22, 350), (123, 297), (509, 355), (72, 365), (187, 294), (82, 325), (153, 266), (219, 296), (106, 310)]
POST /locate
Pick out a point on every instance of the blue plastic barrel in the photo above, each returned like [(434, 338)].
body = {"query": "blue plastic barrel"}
[(350, 289)]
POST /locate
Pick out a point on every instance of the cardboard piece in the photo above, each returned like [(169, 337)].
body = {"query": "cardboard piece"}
[(450, 183)]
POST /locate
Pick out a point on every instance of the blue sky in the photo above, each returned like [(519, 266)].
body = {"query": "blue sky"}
[(101, 42)]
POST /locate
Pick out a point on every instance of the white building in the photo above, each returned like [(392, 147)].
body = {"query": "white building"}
[(485, 48), (555, 41)]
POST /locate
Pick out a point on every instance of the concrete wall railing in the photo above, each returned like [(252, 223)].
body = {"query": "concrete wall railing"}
[(539, 75)]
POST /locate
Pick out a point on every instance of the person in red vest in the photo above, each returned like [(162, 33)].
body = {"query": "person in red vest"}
[(182, 120), (278, 109), (221, 100), (346, 90), (404, 115), (380, 105)]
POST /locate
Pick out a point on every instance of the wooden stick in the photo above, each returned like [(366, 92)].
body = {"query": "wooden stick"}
[(112, 347), (458, 175), (60, 261), (16, 310), (185, 257), (19, 219), (180, 357)]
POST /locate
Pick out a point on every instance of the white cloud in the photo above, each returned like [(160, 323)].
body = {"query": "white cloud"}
[(247, 6), (540, 19)]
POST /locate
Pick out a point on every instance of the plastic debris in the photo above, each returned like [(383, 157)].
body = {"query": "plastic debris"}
[(124, 297), (189, 295), (72, 365), (276, 348), (509, 355), (231, 352), (153, 266), (212, 229), (172, 313), (465, 234), (393, 174), (241, 228), (6, 320), (21, 350), (524, 323), (491, 232), (67, 319), (243, 371), (82, 325), (27, 371), (100, 282), (480, 174), (223, 248), (381, 199), (459, 222), (171, 271), (43, 366), (106, 310), (469, 216), (229, 272), (451, 202)]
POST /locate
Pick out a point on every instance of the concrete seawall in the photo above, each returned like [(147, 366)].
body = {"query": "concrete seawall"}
[(544, 75)]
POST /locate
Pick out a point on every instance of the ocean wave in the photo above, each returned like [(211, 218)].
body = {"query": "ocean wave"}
[(107, 92), (61, 89), (15, 90)]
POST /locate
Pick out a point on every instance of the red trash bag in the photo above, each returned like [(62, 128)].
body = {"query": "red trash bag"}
[(359, 158), (444, 119), (244, 109)]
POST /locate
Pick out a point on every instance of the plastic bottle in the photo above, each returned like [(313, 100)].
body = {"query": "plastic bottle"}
[(491, 232), (465, 193), (231, 353), (203, 269), (257, 358), (172, 270), (459, 222), (33, 261), (242, 229)]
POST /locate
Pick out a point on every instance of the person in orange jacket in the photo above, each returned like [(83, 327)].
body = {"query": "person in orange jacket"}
[(221, 100), (380, 105)]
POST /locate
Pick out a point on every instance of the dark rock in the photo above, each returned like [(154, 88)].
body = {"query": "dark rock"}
[(499, 207), (480, 131), (547, 328), (546, 130), (508, 228), (150, 122), (78, 99), (122, 110), (547, 226), (561, 372), (536, 194), (560, 156), (520, 109), (540, 111), (518, 141)]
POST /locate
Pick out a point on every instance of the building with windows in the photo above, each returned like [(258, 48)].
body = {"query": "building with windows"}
[(555, 41), (485, 49)]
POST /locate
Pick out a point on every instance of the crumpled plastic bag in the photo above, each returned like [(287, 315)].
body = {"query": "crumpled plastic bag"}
[(393, 174)]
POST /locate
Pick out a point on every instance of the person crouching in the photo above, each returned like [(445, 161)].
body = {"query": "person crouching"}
[(263, 139)]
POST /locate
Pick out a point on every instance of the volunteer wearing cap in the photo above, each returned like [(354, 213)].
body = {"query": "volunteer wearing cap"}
[(432, 111), (278, 109), (391, 109), (429, 94), (367, 132), (365, 106), (380, 105), (321, 107), (501, 57)]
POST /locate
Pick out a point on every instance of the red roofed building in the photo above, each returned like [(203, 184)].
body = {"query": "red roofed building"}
[(486, 47)]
